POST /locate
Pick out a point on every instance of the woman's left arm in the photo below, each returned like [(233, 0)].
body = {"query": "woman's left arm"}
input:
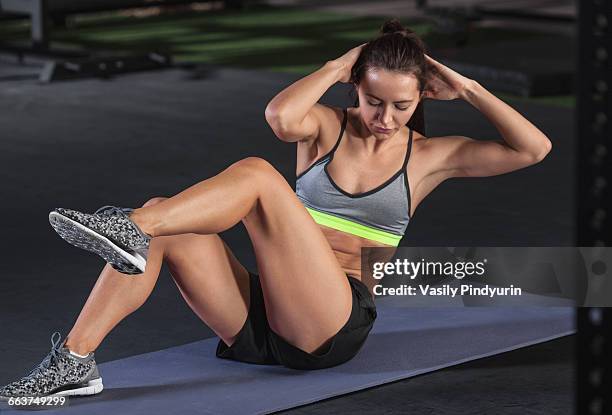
[(523, 143)]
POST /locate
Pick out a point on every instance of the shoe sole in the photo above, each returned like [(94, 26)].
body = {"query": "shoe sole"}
[(79, 235), (93, 387)]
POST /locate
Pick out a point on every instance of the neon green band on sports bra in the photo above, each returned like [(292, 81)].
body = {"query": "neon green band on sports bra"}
[(354, 228)]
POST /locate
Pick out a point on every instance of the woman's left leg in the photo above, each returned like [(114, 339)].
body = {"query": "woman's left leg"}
[(306, 292)]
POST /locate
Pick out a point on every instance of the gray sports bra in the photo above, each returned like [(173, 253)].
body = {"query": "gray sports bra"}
[(381, 214)]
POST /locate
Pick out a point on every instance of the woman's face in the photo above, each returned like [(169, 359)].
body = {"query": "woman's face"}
[(387, 100)]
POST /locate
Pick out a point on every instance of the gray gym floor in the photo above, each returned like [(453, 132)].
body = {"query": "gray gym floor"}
[(87, 143)]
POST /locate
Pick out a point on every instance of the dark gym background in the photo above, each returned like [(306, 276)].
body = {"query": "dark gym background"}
[(86, 141)]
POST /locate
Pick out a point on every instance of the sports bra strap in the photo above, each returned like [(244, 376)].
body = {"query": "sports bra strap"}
[(408, 150), (344, 119)]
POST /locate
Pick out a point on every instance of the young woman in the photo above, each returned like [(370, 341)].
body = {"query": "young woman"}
[(362, 172)]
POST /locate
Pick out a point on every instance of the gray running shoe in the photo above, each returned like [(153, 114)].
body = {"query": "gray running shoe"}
[(108, 232), (59, 374)]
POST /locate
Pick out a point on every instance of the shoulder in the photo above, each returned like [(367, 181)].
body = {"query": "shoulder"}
[(331, 117), (326, 114), (330, 123), (420, 143), (437, 147), (330, 120), (433, 154)]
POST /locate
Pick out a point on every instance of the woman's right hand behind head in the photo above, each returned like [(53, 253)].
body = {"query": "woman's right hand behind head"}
[(345, 62)]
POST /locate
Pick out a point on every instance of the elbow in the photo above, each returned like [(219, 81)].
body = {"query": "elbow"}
[(541, 155), (272, 115), (547, 148), (277, 122), (273, 118)]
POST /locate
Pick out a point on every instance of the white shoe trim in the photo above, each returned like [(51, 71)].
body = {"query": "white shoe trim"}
[(93, 387)]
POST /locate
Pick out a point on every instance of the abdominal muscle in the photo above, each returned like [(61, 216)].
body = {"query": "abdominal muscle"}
[(347, 249)]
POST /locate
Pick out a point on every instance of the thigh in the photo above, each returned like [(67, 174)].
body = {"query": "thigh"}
[(210, 278), (306, 292)]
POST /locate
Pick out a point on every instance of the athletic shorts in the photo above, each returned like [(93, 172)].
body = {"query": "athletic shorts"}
[(257, 343)]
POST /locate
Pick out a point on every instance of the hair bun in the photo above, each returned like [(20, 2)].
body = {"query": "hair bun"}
[(394, 26)]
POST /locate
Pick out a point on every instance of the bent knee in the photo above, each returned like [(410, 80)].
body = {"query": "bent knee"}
[(257, 165), (154, 201), (254, 163), (261, 171), (259, 168)]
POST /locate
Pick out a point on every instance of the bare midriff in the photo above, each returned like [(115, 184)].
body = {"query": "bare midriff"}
[(347, 249)]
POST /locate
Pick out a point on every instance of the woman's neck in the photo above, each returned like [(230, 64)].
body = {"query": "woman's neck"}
[(370, 143)]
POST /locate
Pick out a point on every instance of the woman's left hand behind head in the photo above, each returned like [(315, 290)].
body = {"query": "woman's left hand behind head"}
[(443, 83)]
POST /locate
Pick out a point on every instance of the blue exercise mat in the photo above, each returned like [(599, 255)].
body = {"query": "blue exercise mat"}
[(404, 342)]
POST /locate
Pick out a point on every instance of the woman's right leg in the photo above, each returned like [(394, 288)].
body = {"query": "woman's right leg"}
[(200, 266)]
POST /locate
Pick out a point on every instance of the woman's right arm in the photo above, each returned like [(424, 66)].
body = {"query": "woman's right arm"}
[(294, 114)]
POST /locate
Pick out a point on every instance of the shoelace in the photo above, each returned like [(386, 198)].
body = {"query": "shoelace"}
[(109, 210), (53, 356)]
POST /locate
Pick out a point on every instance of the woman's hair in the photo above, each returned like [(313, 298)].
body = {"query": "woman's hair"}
[(396, 49)]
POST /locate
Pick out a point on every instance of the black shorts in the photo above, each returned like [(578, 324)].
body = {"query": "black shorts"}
[(257, 343)]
